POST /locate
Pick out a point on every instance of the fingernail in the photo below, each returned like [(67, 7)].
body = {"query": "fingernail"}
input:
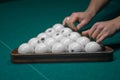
[(98, 41)]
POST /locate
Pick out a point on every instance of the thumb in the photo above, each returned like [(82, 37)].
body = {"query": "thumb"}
[(85, 33)]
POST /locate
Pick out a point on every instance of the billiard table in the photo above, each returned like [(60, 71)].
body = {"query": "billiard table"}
[(21, 20)]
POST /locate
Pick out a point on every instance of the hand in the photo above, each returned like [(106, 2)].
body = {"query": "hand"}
[(82, 17), (101, 30)]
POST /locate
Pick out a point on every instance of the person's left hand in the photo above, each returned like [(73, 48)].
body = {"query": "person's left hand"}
[(101, 30)]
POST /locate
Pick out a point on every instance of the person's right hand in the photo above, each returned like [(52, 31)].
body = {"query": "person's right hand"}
[(82, 17), (101, 30)]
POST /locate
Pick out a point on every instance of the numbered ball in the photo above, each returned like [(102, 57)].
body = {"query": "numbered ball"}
[(58, 48), (83, 40), (75, 47), (50, 31), (58, 27), (74, 35), (42, 37), (58, 36), (33, 41), (92, 47), (25, 48), (66, 31), (49, 42), (66, 41), (41, 48)]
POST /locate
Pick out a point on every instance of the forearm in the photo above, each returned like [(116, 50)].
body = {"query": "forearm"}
[(95, 6), (116, 22)]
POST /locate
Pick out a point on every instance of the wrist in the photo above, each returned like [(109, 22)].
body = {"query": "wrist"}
[(116, 21), (91, 13), (119, 22)]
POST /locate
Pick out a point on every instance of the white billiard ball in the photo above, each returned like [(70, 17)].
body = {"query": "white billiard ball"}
[(75, 47), (83, 40), (33, 41), (42, 36), (49, 42), (41, 48), (66, 31), (66, 41), (92, 47), (58, 27), (25, 48), (74, 35), (50, 31), (58, 36), (58, 48)]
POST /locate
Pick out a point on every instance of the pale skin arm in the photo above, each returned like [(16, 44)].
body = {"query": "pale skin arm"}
[(101, 30), (84, 17)]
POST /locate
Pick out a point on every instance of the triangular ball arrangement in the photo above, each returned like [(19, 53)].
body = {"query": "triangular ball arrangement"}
[(59, 39)]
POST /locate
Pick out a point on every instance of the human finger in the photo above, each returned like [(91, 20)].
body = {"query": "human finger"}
[(85, 33), (102, 37), (70, 22), (81, 24), (64, 21), (96, 32), (93, 28)]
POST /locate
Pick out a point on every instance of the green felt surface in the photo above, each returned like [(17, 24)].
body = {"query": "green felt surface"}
[(21, 20)]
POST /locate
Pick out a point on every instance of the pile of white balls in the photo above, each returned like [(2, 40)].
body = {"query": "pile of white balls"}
[(59, 39)]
